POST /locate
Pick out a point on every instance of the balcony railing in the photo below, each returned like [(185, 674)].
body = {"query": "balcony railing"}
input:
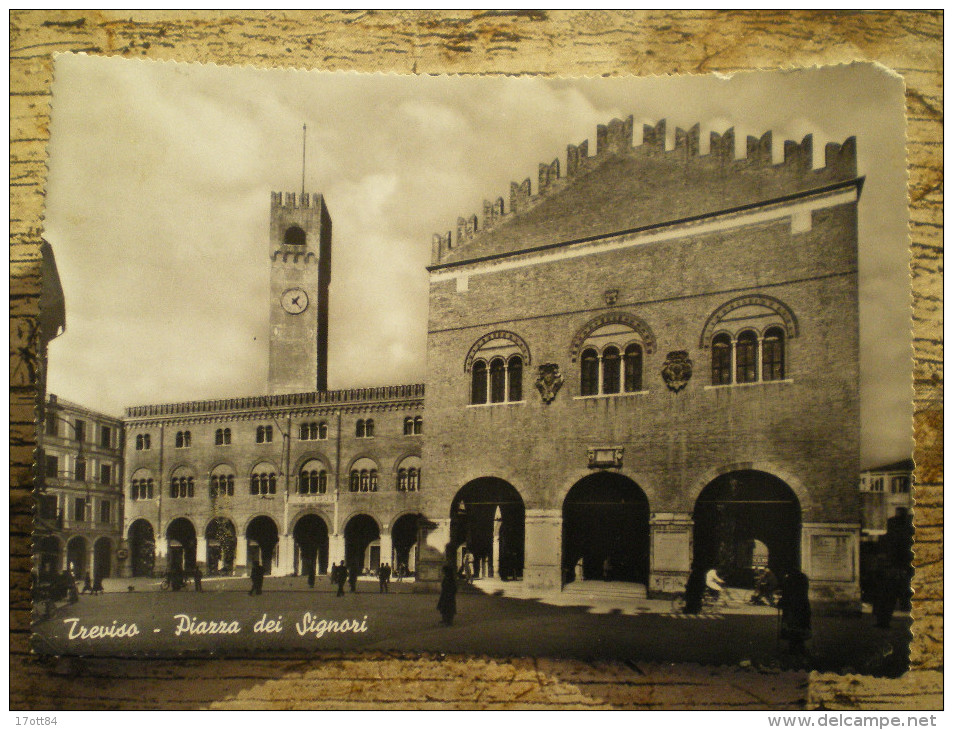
[(314, 398)]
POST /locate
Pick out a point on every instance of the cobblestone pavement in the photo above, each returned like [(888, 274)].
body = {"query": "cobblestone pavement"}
[(172, 623)]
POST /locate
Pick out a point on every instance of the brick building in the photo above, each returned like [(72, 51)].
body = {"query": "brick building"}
[(652, 360), (79, 490)]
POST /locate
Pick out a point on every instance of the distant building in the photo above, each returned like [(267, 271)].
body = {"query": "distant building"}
[(79, 490), (884, 490)]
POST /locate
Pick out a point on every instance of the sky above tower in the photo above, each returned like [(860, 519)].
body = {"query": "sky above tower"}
[(159, 194)]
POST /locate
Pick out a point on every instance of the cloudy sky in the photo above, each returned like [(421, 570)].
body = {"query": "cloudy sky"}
[(158, 208)]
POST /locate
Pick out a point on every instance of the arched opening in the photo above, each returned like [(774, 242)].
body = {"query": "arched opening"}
[(487, 519), (102, 558), (48, 557), (404, 541), (76, 557), (738, 510), (362, 547), (220, 544), (181, 536), (295, 236), (142, 548), (262, 536), (606, 530), (311, 545)]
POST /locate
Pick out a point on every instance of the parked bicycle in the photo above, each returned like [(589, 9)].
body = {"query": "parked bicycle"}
[(176, 582)]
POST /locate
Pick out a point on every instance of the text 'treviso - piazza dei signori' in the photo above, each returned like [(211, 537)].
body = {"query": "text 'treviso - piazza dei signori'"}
[(646, 358)]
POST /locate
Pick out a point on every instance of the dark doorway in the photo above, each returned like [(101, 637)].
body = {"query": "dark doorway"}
[(404, 540), (311, 545), (102, 558), (181, 537), (360, 532), (142, 549), (487, 517), (48, 557), (76, 557), (220, 543), (734, 511), (606, 530), (262, 536)]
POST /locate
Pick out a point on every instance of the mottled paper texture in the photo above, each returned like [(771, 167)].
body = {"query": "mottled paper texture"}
[(482, 43)]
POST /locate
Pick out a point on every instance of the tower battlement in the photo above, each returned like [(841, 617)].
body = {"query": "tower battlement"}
[(295, 200), (660, 174)]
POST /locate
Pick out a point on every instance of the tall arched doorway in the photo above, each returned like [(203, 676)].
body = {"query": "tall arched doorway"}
[(311, 545), (362, 548), (606, 530), (76, 556), (102, 558), (404, 541), (220, 543), (736, 510), (181, 539), (142, 549), (262, 536), (488, 518)]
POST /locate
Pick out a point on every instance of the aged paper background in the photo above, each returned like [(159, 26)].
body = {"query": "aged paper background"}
[(504, 42)]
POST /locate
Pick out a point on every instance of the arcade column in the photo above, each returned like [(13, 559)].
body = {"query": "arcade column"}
[(335, 549), (285, 549), (161, 554), (543, 549), (387, 547), (433, 538), (670, 558), (201, 553), (241, 555)]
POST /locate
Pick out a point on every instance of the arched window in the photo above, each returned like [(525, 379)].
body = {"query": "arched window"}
[(183, 439), (311, 431), (408, 426), (478, 391), (497, 380), (746, 357), (401, 480), (363, 476), (223, 436), (632, 369), (408, 474), (721, 360), (295, 236), (413, 479), (264, 435), (182, 484), (322, 430), (589, 372), (355, 481), (514, 378), (264, 481), (221, 482), (143, 442), (142, 485), (313, 478), (610, 370), (418, 425), (772, 354), (364, 428), (369, 428), (365, 480)]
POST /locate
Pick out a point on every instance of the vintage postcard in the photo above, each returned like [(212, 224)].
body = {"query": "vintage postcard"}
[(324, 377)]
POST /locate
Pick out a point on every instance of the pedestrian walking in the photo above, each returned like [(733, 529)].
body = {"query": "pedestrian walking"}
[(197, 577), (98, 585), (312, 570), (447, 603), (383, 575), (257, 575), (694, 590), (795, 611), (340, 577), (352, 578), (87, 584)]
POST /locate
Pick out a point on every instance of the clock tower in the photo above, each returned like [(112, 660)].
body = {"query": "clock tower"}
[(300, 250)]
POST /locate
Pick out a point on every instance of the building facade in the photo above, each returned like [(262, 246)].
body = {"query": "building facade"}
[(79, 513), (651, 362), (884, 490)]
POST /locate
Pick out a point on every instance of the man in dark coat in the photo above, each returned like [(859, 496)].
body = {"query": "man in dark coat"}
[(340, 577), (383, 576), (257, 578), (197, 577), (694, 590), (352, 574), (447, 603), (795, 611)]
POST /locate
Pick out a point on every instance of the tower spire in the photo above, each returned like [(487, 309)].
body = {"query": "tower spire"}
[(304, 145)]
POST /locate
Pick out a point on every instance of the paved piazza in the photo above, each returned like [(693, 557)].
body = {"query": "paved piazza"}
[(486, 624)]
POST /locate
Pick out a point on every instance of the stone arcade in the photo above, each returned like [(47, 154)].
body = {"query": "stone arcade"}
[(652, 360)]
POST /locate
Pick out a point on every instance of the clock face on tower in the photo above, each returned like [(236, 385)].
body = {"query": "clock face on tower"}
[(294, 301)]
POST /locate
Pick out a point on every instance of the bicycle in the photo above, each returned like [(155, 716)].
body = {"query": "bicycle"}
[(712, 602), (166, 582)]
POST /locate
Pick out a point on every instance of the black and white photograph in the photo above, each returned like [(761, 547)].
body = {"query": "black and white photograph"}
[(590, 368)]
